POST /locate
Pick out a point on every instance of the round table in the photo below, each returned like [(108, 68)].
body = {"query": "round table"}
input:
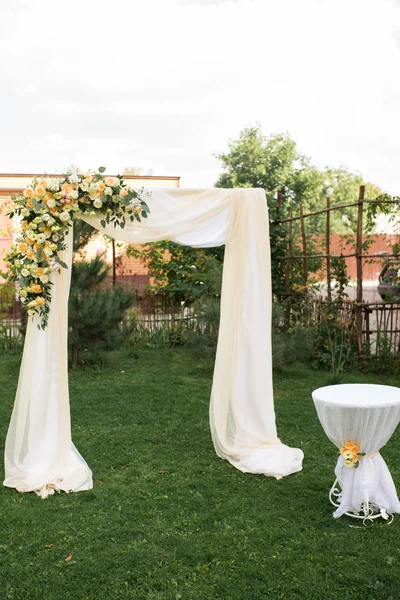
[(359, 419)]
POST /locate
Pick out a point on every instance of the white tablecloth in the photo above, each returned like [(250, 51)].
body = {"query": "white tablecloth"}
[(367, 415)]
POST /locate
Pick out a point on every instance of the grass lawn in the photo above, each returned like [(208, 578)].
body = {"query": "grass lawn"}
[(168, 520)]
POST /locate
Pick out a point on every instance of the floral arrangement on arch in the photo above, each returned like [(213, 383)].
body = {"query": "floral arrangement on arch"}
[(47, 208)]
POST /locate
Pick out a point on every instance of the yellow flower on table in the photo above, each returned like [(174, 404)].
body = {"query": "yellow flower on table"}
[(350, 452)]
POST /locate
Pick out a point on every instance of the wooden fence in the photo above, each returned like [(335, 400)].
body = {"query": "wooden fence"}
[(373, 322)]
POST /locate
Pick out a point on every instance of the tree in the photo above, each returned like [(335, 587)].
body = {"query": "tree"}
[(275, 163), (95, 314), (179, 273)]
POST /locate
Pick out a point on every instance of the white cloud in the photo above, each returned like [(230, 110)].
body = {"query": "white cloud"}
[(165, 83)]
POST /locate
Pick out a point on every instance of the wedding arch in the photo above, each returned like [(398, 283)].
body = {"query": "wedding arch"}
[(40, 455)]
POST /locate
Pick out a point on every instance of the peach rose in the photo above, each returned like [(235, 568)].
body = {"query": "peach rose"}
[(40, 300), (22, 247), (123, 193), (40, 190), (110, 181), (28, 192), (30, 203)]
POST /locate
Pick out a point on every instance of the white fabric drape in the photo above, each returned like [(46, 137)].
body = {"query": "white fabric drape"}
[(368, 416), (39, 450)]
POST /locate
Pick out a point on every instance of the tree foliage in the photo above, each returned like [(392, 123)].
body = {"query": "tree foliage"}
[(179, 273), (95, 314), (275, 163)]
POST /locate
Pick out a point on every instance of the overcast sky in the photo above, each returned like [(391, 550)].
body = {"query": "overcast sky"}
[(164, 84)]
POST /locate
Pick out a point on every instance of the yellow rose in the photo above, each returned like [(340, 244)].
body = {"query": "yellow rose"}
[(22, 247), (123, 193), (40, 301), (36, 288), (28, 192), (137, 210)]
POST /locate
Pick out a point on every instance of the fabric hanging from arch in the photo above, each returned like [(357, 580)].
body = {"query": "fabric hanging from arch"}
[(40, 455)]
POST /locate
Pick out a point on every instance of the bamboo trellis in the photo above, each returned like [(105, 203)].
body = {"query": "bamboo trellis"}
[(386, 316)]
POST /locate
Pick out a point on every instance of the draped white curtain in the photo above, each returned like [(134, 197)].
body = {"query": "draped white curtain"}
[(39, 452)]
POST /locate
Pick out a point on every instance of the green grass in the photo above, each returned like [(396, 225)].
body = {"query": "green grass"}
[(167, 519)]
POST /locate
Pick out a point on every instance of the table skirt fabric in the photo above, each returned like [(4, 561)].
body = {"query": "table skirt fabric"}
[(370, 427)]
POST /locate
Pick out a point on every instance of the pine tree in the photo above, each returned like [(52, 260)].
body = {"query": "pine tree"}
[(95, 314)]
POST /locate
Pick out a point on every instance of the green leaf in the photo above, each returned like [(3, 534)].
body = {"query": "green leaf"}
[(101, 169), (63, 264), (144, 215), (122, 224), (102, 223)]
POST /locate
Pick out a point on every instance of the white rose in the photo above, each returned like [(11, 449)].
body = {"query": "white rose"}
[(51, 203), (55, 238), (97, 203), (32, 303), (46, 218), (22, 299), (57, 196), (48, 251), (108, 191), (41, 238), (25, 212), (47, 234), (65, 216), (44, 278), (84, 187), (25, 273), (74, 178), (74, 194)]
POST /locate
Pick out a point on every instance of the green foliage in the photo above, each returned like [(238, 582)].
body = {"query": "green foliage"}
[(334, 343), (83, 233), (275, 163), (95, 314), (179, 273), (11, 337)]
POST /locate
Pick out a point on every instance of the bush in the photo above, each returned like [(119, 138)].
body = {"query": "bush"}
[(96, 315)]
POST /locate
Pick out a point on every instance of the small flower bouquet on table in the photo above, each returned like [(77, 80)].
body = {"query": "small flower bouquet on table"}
[(47, 208), (351, 454)]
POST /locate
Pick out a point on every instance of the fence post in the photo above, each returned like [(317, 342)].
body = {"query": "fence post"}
[(359, 259), (303, 235), (288, 264), (328, 247), (114, 266)]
